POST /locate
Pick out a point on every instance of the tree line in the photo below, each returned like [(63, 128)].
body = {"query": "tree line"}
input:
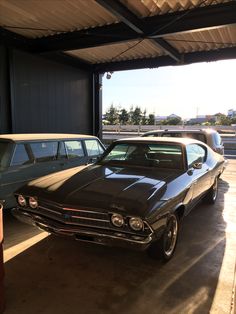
[(136, 116), (133, 116)]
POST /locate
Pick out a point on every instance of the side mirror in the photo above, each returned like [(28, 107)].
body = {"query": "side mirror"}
[(92, 160), (197, 165)]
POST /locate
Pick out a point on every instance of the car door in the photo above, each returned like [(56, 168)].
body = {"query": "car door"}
[(72, 154), (45, 158), (17, 173), (200, 177)]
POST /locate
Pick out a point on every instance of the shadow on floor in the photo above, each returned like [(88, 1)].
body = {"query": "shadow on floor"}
[(59, 275)]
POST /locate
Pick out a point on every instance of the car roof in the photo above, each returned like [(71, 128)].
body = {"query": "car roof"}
[(208, 130), (42, 136), (171, 140)]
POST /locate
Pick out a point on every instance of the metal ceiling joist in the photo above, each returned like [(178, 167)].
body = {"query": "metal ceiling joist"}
[(137, 25), (94, 37), (207, 17), (171, 51), (124, 14), (17, 41), (193, 57), (197, 19)]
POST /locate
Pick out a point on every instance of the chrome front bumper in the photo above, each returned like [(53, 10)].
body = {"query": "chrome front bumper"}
[(102, 237)]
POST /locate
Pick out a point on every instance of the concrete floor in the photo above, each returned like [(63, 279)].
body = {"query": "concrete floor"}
[(47, 274)]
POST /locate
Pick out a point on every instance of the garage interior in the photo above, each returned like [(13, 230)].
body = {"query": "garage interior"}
[(53, 55)]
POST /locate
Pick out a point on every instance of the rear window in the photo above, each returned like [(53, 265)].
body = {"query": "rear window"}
[(5, 154), (197, 136), (44, 151), (93, 147)]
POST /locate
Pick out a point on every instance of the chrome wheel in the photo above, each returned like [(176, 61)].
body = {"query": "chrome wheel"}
[(164, 248), (170, 236)]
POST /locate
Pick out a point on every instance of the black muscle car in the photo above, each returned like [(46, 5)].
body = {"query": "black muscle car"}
[(134, 196)]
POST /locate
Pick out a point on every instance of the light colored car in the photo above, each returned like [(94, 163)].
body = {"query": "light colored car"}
[(24, 157), (208, 136)]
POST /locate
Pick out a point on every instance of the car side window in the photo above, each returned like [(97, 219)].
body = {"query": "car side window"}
[(195, 153), (151, 135), (44, 151), (20, 156), (93, 147), (197, 136), (74, 149), (62, 150), (172, 134), (217, 139), (5, 154)]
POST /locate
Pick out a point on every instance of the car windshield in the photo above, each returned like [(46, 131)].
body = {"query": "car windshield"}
[(157, 155), (5, 154)]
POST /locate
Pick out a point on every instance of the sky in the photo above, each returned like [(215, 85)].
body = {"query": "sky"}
[(188, 91)]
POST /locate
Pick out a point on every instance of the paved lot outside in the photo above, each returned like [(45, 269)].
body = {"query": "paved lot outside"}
[(47, 274)]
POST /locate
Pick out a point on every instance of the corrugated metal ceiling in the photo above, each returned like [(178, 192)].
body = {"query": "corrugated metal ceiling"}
[(146, 8), (196, 41), (36, 19), (48, 17), (204, 40), (119, 52)]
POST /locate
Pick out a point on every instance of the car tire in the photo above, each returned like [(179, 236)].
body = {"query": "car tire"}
[(211, 195), (164, 248)]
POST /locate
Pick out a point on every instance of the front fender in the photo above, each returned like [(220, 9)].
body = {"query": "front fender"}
[(159, 220)]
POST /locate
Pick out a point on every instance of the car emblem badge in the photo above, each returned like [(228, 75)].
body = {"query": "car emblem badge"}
[(66, 217)]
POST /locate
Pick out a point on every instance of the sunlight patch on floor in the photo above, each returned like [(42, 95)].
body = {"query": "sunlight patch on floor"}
[(13, 251)]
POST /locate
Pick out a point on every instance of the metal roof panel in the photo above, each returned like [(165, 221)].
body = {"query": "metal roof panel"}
[(204, 40), (35, 19), (118, 52), (145, 8), (44, 18)]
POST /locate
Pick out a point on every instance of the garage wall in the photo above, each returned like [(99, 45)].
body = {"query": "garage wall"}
[(5, 110), (49, 97)]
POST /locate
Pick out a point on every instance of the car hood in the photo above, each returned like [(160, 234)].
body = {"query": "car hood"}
[(121, 189)]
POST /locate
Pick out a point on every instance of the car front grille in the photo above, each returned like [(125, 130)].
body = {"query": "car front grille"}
[(82, 217)]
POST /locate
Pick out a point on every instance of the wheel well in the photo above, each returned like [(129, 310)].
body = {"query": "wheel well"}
[(180, 211)]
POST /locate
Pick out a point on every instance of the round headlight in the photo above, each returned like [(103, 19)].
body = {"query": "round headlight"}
[(136, 223), (21, 200), (117, 220), (33, 203)]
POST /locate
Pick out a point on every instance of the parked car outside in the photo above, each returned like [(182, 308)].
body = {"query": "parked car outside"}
[(24, 157), (209, 136), (134, 196)]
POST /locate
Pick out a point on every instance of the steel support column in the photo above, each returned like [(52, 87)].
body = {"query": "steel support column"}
[(5, 91), (97, 104)]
